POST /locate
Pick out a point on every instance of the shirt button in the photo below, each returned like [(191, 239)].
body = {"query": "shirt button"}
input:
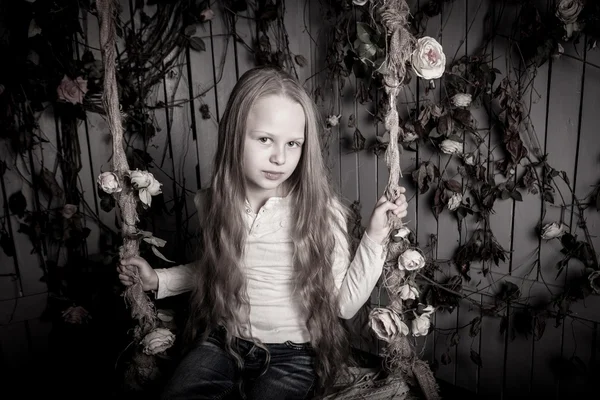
[(248, 210)]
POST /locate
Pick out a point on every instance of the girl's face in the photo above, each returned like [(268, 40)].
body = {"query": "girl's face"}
[(273, 145)]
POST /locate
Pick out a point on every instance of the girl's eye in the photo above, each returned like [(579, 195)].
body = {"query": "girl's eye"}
[(263, 139), (294, 144)]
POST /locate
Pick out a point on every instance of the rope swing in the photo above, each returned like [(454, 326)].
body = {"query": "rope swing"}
[(400, 355)]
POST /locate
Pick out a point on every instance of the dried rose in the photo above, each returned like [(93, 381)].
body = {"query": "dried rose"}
[(454, 201), (568, 10), (69, 210), (207, 14), (409, 137), (140, 179), (386, 324), (159, 340), (155, 187), (109, 182), (333, 120), (72, 90), (450, 146), (408, 292), (469, 158), (428, 59), (462, 100), (400, 233), (553, 230), (420, 325), (411, 260)]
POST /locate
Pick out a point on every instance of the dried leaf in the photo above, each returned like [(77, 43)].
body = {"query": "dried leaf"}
[(159, 254), (475, 327), (424, 175), (189, 30), (358, 141), (300, 60), (17, 204), (565, 177), (48, 181), (351, 121), (158, 242), (476, 358), (364, 32), (453, 185), (444, 126), (107, 202), (463, 116), (197, 43), (7, 244), (439, 201), (446, 359), (516, 195), (539, 326), (454, 339)]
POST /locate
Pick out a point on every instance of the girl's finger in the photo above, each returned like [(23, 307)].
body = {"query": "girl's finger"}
[(381, 200)]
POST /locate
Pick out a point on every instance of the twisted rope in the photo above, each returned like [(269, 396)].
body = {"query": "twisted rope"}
[(142, 308), (400, 355)]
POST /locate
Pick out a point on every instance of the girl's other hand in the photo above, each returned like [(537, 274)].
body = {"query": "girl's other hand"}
[(147, 274), (379, 225)]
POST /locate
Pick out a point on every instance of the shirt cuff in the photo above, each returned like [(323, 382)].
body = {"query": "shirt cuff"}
[(163, 279)]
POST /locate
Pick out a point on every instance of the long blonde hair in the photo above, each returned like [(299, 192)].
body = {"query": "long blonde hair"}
[(220, 289)]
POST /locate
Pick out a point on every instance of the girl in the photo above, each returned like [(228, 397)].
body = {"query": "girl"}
[(274, 272)]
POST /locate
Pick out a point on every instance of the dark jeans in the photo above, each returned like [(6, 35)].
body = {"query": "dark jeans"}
[(208, 371)]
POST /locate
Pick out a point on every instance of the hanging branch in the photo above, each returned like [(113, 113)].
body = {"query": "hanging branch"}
[(142, 308)]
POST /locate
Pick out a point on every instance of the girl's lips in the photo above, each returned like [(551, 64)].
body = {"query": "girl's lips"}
[(273, 175)]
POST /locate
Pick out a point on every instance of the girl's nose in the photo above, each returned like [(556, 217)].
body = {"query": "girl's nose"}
[(278, 156)]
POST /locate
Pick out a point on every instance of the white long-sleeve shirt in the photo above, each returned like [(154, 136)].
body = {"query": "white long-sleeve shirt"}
[(275, 314)]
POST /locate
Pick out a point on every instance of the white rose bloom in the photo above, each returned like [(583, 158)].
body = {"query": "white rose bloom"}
[(409, 137), (69, 210), (420, 325), (568, 10), (360, 2), (109, 182), (454, 201), (428, 59), (462, 99), (553, 230), (408, 292), (387, 324), (145, 196), (155, 187), (333, 120), (428, 310), (140, 179), (411, 260), (159, 340), (469, 158), (402, 233), (450, 146)]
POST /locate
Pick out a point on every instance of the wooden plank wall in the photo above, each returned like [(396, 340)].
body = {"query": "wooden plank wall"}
[(563, 110)]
